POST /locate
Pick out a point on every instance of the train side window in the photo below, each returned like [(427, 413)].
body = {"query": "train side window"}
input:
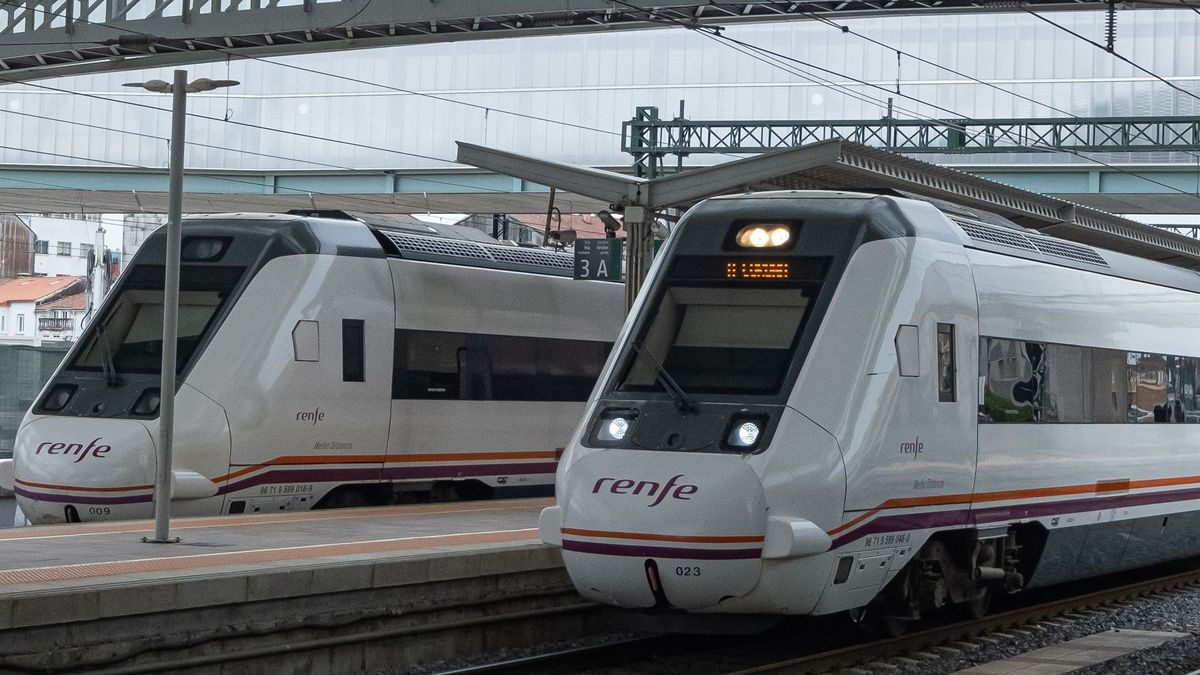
[(353, 366), (306, 341), (1012, 373), (1148, 395), (946, 368), (1065, 395), (1110, 387)]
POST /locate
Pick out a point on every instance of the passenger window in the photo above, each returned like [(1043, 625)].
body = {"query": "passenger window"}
[(306, 341), (1011, 390), (353, 367), (1148, 389), (1064, 381), (946, 367)]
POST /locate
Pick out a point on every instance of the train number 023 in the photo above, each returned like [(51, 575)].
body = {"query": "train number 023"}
[(687, 571)]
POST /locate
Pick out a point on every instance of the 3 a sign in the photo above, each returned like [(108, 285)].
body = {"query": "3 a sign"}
[(598, 259)]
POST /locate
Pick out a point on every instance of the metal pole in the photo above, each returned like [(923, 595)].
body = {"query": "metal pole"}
[(639, 250), (166, 409)]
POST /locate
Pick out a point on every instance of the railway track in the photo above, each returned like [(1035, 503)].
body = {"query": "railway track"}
[(782, 651)]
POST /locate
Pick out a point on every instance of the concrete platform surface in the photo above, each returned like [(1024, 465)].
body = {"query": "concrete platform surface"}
[(1076, 654), (88, 571)]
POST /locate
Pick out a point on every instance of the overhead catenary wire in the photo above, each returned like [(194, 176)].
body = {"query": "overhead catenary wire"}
[(718, 34)]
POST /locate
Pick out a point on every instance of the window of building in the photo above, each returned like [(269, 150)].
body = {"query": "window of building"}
[(20, 323), (84, 250), (64, 248), (41, 246), (2, 318)]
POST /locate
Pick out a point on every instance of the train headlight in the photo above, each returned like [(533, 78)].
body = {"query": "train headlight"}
[(617, 428), (147, 403), (615, 425), (58, 397), (745, 432), (764, 235)]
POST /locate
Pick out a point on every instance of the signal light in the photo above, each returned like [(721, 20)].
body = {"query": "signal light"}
[(764, 235)]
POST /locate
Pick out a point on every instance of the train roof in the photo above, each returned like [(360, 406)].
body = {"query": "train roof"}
[(986, 231), (443, 244)]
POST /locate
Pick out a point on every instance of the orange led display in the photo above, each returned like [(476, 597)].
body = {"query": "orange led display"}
[(757, 270)]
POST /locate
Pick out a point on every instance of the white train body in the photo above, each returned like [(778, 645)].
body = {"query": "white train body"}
[(894, 468), (322, 362)]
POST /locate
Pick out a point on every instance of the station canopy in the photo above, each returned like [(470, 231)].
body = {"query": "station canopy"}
[(843, 165)]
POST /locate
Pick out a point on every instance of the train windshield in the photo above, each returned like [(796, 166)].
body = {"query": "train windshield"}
[(721, 339), (129, 337)]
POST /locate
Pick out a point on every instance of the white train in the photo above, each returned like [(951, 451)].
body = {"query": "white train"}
[(833, 401), (322, 363)]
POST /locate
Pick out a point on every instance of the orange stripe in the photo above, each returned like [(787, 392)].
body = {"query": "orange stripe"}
[(1099, 487), (640, 536), (389, 459), (79, 488)]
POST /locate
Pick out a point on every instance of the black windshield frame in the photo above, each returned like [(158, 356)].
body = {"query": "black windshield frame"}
[(210, 286)]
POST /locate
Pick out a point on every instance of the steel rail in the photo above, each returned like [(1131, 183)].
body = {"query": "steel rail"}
[(940, 635)]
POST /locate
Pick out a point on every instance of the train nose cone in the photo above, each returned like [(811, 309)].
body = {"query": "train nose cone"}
[(96, 469), (644, 529)]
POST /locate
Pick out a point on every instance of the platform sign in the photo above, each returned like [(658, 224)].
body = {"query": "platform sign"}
[(598, 259)]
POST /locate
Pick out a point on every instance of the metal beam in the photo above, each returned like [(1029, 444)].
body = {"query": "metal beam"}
[(649, 139), (48, 38), (609, 186)]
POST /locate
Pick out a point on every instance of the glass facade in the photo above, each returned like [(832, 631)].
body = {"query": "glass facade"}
[(411, 99)]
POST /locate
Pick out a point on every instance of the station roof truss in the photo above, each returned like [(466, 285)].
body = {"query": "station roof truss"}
[(844, 165), (648, 135), (49, 38)]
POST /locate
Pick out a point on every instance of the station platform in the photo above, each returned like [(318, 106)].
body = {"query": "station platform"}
[(90, 593)]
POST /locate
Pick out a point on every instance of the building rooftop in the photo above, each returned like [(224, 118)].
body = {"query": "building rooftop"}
[(32, 289), (72, 301)]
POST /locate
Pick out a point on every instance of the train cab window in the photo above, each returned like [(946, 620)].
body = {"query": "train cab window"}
[(129, 337), (353, 351), (721, 340)]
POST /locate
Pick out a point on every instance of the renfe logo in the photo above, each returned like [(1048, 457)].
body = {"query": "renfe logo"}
[(914, 448), (314, 416), (52, 448), (627, 486)]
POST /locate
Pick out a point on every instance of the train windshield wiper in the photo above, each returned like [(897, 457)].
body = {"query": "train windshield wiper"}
[(682, 400), (106, 364)]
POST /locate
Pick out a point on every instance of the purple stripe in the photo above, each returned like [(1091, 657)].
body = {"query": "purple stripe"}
[(662, 551), (72, 499), (960, 517), (376, 474)]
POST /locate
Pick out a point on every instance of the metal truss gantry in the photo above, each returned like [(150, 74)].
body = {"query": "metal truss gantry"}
[(48, 38), (650, 139)]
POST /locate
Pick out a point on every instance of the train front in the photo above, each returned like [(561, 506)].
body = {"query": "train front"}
[(692, 483), (85, 451)]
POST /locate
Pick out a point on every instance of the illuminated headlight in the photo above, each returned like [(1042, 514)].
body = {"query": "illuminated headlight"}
[(764, 235), (745, 432), (615, 425)]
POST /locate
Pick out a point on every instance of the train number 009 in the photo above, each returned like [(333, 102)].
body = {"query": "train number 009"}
[(687, 571), (99, 511)]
